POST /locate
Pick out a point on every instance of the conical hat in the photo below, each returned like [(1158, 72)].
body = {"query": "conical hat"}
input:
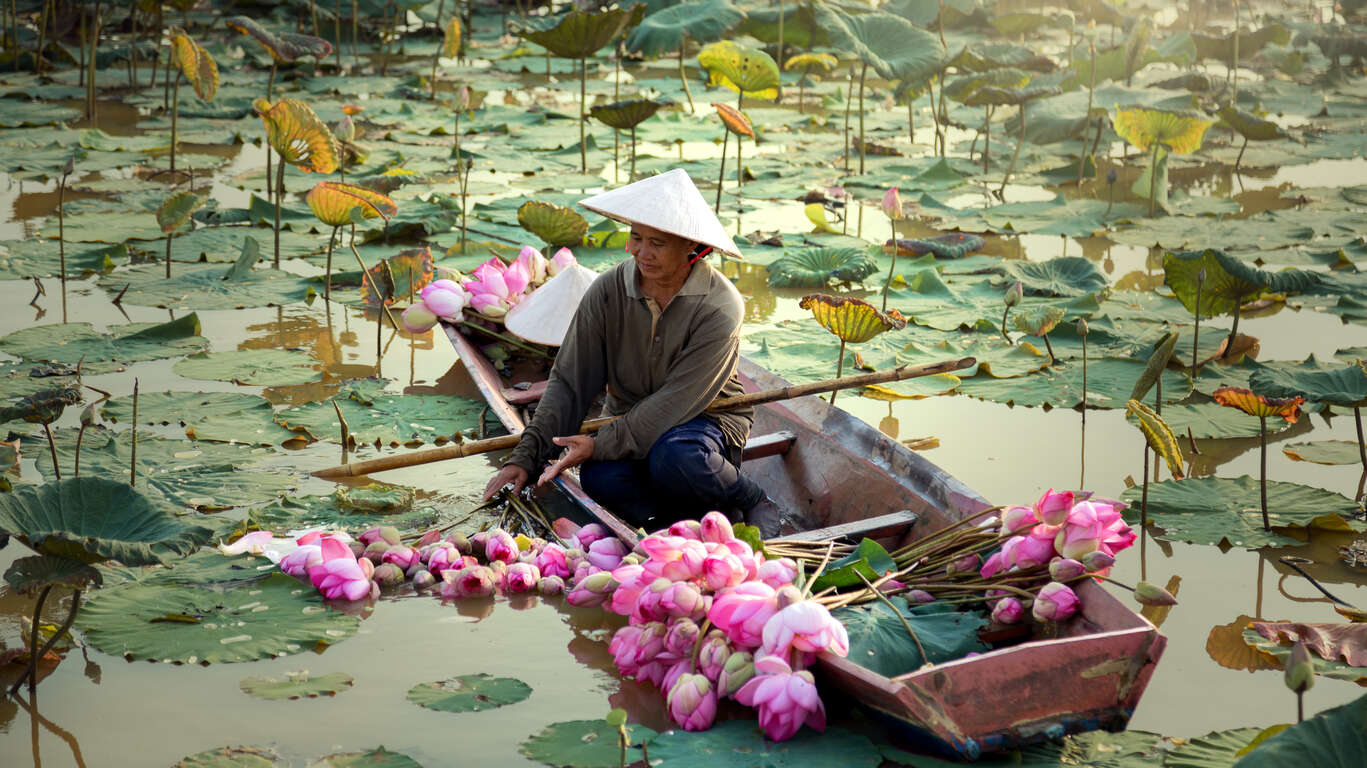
[(544, 316), (668, 202)]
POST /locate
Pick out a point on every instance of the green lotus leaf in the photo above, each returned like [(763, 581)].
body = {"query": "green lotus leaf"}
[(1343, 386), (626, 115), (1063, 276), (748, 71), (1334, 738), (948, 304), (259, 367), (396, 278), (1109, 381), (1178, 131), (1229, 282), (992, 95), (1226, 511), (1218, 748), (195, 286), (666, 30), (801, 30), (1154, 366), (579, 34), (230, 757), (276, 616), (964, 86), (109, 350), (195, 64), (584, 744), (29, 575), (816, 267), (555, 224), (1337, 668), (207, 566), (802, 351), (1331, 452), (741, 744), (1221, 47), (1250, 126), (39, 257), (175, 211), (952, 245), (469, 693), (292, 513), (296, 685), (91, 519), (228, 417), (878, 637), (1038, 321), (986, 56), (1019, 23), (374, 415), (1212, 421), (375, 758), (890, 44), (1097, 749), (996, 356)]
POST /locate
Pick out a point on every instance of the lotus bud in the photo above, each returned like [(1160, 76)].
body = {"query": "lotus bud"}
[(919, 596), (463, 98), (1065, 569), (375, 552), (414, 569), (550, 586), (69, 166), (591, 590), (1055, 602), (713, 653), (357, 549), (564, 528), (681, 636), (478, 541), (688, 529), (585, 536), (1008, 610), (778, 572), (90, 415), (423, 580), (1016, 519), (607, 553), (1082, 326), (1053, 507), (631, 559), (1112, 176), (562, 259), (737, 671), (892, 204), (459, 541), (500, 547), (787, 595), (345, 129), (1299, 675), (682, 599), (1014, 294), (498, 567), (524, 542), (391, 534), (367, 568), (400, 555), (1097, 561), (476, 581), (521, 577), (367, 537), (692, 702), (388, 574), (1148, 593), (965, 564)]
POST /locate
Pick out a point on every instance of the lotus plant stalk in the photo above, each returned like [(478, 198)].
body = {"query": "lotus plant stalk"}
[(987, 135), (683, 77), (1153, 176), (175, 114), (279, 203), (1014, 293), (464, 197), (1020, 141), (1362, 445), (1262, 465), (725, 137), (1196, 331), (327, 277), (1082, 331), (337, 33), (1234, 64), (133, 440), (42, 37), (849, 92), (133, 47), (365, 275), (441, 6), (355, 33), (1091, 93), (31, 671), (862, 71), (839, 366), (61, 226), (740, 168)]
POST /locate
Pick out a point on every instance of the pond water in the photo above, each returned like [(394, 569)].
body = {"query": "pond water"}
[(98, 709)]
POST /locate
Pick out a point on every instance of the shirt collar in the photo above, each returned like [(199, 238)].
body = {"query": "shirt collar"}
[(696, 284)]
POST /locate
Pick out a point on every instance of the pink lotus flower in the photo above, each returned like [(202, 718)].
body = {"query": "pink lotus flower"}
[(716, 528), (1065, 569), (631, 581), (606, 553), (650, 643), (298, 562), (713, 653), (564, 528), (551, 561), (1016, 519), (584, 537), (1028, 551), (806, 626), (592, 590), (562, 259), (736, 672), (445, 298), (919, 597), (687, 529), (1053, 506), (517, 277), (1097, 561), (340, 576), (662, 548), (428, 539), (777, 573), (253, 543), (692, 702), (741, 612), (550, 586), (683, 600), (624, 647), (475, 581), (418, 318), (892, 204), (993, 565), (675, 668), (786, 699), (1008, 610), (681, 636), (1055, 602), (387, 575), (648, 606), (965, 564), (723, 570), (521, 577), (402, 556), (500, 547), (535, 264), (1074, 541), (1115, 534), (444, 559)]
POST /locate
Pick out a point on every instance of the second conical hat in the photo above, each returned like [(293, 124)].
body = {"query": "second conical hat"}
[(668, 202), (544, 316)]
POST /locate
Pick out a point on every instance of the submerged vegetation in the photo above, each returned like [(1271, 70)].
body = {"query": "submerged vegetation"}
[(1220, 265)]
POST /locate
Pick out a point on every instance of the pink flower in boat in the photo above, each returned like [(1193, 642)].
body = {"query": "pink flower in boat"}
[(1016, 519), (418, 318), (786, 700), (1008, 610), (716, 528), (723, 570), (687, 529), (584, 538), (1097, 561), (692, 702), (806, 626), (562, 259), (681, 636), (592, 590), (427, 539), (1053, 506), (521, 577), (1065, 569), (965, 564), (1077, 540), (741, 612), (919, 597), (648, 606), (738, 669), (624, 648), (664, 549), (994, 564), (445, 298), (689, 565), (683, 600), (500, 546), (1055, 602), (298, 562), (674, 668), (535, 264), (713, 653), (401, 555), (650, 643), (607, 553), (475, 581), (516, 277), (249, 543), (778, 572), (551, 561), (631, 581), (1115, 533), (565, 528), (1028, 551)]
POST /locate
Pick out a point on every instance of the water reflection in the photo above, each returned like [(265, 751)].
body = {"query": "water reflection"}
[(36, 719)]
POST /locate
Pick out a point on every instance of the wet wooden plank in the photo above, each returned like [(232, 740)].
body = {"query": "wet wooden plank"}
[(858, 528)]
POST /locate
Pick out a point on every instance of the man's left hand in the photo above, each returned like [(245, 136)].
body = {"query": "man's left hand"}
[(580, 451)]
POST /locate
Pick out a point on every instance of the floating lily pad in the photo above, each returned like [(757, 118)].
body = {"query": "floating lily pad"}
[(230, 757), (1109, 381), (109, 350), (40, 258), (375, 415), (1097, 749), (996, 357), (277, 616), (1065, 276), (879, 640), (968, 302), (208, 566), (260, 367), (584, 744), (469, 693), (1331, 452), (1217, 748), (296, 685), (204, 287), (1226, 511), (91, 519), (816, 267), (28, 575), (1334, 738), (1337, 385), (741, 744), (1336, 668), (375, 758), (221, 417), (293, 513), (1212, 420)]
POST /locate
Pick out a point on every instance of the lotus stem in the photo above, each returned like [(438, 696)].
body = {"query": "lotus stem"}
[(1049, 347), (891, 268), (725, 137), (1091, 91), (849, 92), (1234, 64), (52, 446), (355, 33), (337, 33), (175, 113), (1362, 446), (270, 185), (583, 105), (895, 612), (1006, 314), (780, 44), (1234, 330), (1240, 158), (279, 202), (31, 671), (1262, 469), (683, 78), (839, 366), (327, 275), (133, 440), (168, 255), (1196, 331), (464, 196), (862, 71), (365, 275), (987, 135), (1081, 483), (1144, 498), (61, 238), (42, 37), (911, 118), (1014, 155), (1153, 177), (632, 175)]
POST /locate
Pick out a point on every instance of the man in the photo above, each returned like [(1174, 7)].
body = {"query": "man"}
[(661, 332)]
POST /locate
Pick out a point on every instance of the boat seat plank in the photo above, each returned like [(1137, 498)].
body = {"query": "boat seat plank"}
[(772, 444), (858, 528)]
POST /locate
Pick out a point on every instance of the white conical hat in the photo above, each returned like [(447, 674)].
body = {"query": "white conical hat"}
[(544, 316), (668, 202)]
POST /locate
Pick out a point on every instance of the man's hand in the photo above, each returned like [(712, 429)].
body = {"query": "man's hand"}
[(511, 473), (580, 451)]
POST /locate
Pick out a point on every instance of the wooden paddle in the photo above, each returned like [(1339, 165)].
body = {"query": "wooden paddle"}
[(458, 450)]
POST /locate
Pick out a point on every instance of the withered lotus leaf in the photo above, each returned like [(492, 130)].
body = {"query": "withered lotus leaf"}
[(196, 64), (1257, 405), (333, 201), (297, 133), (851, 320), (734, 120)]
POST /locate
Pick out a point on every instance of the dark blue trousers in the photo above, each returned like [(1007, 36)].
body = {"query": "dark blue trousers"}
[(687, 474)]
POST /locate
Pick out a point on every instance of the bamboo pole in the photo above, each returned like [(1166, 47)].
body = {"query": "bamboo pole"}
[(461, 450)]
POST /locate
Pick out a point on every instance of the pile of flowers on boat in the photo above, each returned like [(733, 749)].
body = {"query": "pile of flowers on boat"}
[(493, 288), (708, 617)]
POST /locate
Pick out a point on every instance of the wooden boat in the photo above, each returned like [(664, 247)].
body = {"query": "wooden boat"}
[(845, 478)]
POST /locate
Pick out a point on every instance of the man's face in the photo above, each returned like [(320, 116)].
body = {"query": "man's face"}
[(659, 255)]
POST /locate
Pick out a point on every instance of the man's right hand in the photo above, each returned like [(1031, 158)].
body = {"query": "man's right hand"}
[(511, 473)]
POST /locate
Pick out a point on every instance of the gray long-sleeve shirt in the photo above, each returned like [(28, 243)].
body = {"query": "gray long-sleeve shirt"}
[(659, 371)]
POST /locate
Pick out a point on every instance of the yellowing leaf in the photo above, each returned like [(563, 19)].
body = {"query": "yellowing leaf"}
[(735, 120), (450, 46), (332, 202), (1158, 435), (851, 320), (1257, 405), (301, 138), (748, 71), (196, 64), (810, 63), (1180, 131), (816, 214)]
